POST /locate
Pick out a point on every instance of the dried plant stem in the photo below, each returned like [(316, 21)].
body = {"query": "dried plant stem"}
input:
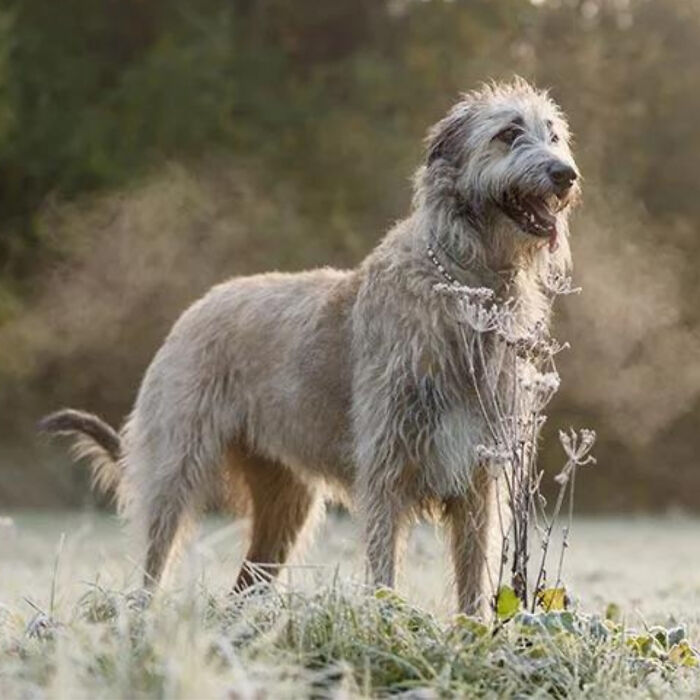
[(513, 376)]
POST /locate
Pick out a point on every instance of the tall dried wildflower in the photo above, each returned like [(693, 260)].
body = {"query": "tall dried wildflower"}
[(514, 376)]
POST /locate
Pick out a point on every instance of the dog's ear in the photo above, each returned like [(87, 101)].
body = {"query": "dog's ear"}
[(447, 139)]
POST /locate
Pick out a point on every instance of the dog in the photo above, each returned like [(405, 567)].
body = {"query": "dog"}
[(279, 392)]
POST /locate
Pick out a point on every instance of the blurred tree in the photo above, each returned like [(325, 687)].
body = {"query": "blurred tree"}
[(298, 124)]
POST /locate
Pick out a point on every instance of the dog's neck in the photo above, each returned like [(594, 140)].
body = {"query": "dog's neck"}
[(457, 271), (455, 243)]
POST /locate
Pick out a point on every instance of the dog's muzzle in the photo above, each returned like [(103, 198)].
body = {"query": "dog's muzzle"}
[(535, 213)]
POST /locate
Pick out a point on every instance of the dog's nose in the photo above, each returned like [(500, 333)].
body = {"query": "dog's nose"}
[(562, 176)]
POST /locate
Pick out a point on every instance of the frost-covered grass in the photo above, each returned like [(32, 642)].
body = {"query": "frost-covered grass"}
[(70, 627)]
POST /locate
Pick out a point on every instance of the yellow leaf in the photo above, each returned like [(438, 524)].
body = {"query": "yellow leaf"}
[(552, 599), (683, 654), (388, 594), (613, 612)]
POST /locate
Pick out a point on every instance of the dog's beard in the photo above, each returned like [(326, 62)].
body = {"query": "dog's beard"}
[(508, 244), (535, 215), (531, 212)]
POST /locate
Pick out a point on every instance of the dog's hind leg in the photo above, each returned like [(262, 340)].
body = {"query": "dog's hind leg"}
[(167, 517), (284, 509), (166, 525), (165, 498)]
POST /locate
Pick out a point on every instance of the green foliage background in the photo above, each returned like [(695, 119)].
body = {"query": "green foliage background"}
[(149, 149)]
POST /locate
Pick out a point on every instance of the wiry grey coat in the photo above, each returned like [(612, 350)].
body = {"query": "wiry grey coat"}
[(278, 391)]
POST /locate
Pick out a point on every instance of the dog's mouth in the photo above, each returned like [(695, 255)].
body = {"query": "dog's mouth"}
[(536, 215)]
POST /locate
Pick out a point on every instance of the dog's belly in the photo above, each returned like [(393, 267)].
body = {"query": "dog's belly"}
[(291, 360), (302, 421)]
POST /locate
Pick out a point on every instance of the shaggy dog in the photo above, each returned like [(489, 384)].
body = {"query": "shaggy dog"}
[(280, 391)]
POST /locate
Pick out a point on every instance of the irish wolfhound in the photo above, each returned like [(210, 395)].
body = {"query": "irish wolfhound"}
[(280, 391)]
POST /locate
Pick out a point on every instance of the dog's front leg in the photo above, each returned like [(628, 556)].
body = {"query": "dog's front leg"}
[(476, 523), (385, 525)]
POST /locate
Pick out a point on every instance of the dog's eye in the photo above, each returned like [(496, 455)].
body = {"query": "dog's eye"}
[(509, 134), (554, 138)]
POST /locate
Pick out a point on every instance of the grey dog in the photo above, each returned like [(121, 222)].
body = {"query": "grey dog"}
[(278, 392)]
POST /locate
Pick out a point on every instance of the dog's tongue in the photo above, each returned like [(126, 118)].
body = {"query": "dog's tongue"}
[(547, 219)]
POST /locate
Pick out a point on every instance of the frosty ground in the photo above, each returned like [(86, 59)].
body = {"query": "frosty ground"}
[(52, 563)]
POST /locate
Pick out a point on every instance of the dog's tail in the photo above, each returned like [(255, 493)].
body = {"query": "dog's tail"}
[(94, 439)]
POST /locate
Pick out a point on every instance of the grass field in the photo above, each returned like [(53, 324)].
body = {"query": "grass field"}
[(68, 629)]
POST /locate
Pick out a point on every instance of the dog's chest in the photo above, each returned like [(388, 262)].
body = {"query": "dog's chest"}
[(444, 420), (458, 432)]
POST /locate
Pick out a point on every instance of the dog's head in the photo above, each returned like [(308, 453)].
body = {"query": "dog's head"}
[(503, 151)]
